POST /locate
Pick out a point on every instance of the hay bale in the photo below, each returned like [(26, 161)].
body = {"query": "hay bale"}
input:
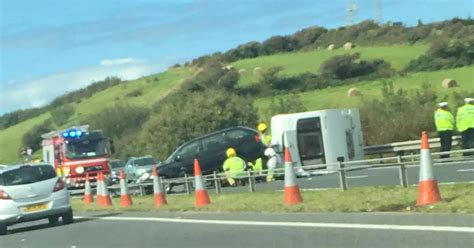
[(257, 70), (331, 47), (228, 67), (348, 46), (449, 83), (353, 92)]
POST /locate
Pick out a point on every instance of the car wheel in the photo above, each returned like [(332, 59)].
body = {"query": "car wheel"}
[(3, 228), (53, 220), (68, 217)]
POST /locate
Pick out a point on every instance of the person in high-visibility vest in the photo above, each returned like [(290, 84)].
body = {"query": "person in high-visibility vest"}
[(444, 122), (266, 140), (465, 124), (233, 166)]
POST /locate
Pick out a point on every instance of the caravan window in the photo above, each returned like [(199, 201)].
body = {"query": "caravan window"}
[(310, 140)]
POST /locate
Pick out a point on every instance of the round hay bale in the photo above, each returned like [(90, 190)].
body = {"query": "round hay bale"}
[(257, 70), (353, 92), (449, 83), (242, 71), (348, 46), (331, 47)]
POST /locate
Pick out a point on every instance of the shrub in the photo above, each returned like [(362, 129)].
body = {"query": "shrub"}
[(135, 93), (32, 138), (347, 66), (61, 115)]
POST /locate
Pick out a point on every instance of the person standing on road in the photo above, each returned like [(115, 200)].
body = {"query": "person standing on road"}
[(233, 166), (274, 161), (465, 124), (444, 122)]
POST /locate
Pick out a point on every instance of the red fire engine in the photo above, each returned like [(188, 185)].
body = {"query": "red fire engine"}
[(75, 152)]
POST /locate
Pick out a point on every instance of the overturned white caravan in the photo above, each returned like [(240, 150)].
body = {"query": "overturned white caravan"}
[(319, 137)]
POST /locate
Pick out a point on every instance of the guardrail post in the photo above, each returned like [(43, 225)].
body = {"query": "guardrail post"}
[(251, 181), (342, 176), (142, 189), (186, 184), (402, 172), (217, 183)]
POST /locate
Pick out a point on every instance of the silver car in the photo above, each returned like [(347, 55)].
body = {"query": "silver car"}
[(31, 192)]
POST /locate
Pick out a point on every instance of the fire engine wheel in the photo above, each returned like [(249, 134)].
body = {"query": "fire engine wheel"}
[(3, 228), (68, 217)]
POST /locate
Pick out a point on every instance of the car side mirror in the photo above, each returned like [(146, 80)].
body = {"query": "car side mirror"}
[(177, 158)]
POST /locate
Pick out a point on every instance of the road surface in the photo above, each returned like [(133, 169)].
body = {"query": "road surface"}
[(248, 230)]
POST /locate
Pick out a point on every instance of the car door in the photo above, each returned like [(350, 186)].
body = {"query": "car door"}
[(213, 152)]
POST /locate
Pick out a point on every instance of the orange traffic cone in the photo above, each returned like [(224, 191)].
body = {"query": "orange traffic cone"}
[(88, 199), (428, 191), (202, 197), (158, 194), (292, 191), (125, 199), (103, 198)]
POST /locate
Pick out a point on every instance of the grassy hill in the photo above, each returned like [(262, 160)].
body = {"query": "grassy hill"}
[(153, 88), (148, 90), (298, 62)]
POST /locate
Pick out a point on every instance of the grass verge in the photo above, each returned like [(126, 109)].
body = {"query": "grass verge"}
[(457, 198)]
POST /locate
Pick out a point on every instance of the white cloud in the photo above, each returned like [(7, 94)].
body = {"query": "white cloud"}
[(120, 61), (38, 92)]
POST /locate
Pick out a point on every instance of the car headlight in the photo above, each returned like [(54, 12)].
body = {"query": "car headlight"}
[(79, 170)]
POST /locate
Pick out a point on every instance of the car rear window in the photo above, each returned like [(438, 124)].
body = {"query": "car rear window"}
[(27, 174)]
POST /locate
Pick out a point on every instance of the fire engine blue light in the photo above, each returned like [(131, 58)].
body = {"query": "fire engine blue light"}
[(65, 134), (78, 133), (72, 134)]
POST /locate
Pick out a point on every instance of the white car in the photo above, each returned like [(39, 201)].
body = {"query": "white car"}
[(30, 192)]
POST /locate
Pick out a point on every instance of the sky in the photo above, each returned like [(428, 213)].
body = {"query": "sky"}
[(48, 48)]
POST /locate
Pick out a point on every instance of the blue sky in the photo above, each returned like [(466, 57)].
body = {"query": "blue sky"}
[(50, 47)]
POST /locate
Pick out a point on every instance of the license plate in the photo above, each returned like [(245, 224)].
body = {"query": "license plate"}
[(34, 208)]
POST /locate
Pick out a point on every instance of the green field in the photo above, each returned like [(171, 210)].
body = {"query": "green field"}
[(295, 63), (337, 97), (458, 198)]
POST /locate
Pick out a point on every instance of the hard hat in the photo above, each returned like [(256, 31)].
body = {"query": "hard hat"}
[(231, 152), (262, 127), (269, 152), (469, 100), (442, 104)]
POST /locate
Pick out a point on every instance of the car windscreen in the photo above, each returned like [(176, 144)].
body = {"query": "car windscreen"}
[(145, 161), (85, 148), (116, 164), (27, 174)]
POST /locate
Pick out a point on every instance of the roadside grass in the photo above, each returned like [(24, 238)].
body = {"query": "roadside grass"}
[(457, 198), (336, 97), (309, 61)]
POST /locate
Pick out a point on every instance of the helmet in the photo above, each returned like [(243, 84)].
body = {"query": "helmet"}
[(269, 152), (262, 127), (231, 152)]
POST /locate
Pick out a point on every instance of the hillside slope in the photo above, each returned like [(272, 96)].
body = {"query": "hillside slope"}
[(310, 61), (152, 88)]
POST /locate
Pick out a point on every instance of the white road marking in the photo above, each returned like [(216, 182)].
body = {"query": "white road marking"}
[(464, 170), (354, 177), (293, 224)]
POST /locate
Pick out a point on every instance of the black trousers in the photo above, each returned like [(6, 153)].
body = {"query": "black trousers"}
[(467, 139), (446, 139)]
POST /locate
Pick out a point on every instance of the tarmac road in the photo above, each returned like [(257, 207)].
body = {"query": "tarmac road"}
[(248, 230)]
